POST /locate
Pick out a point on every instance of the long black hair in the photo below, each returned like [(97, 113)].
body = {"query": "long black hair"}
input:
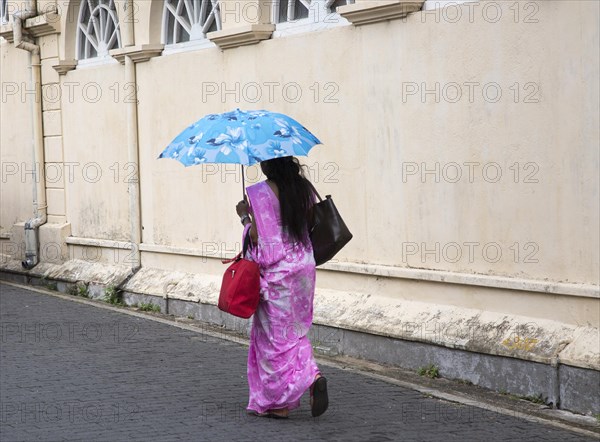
[(295, 194)]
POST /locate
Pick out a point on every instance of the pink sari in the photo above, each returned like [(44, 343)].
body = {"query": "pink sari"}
[(281, 366)]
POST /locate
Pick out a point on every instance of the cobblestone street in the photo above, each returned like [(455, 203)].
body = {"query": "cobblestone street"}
[(71, 371)]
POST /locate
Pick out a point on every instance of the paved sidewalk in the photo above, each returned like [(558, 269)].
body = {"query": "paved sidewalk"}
[(70, 371)]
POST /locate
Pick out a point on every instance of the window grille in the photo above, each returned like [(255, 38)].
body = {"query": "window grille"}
[(314, 10), (3, 12), (290, 10), (189, 20), (97, 29)]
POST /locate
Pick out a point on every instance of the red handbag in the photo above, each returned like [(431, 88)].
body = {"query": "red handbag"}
[(240, 289)]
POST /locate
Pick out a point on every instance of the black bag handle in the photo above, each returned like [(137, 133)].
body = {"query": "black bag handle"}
[(311, 222), (247, 243), (314, 189)]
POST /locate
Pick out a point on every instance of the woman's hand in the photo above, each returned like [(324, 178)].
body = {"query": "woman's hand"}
[(242, 208)]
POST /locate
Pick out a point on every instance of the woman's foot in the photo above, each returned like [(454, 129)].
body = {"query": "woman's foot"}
[(279, 413), (319, 400)]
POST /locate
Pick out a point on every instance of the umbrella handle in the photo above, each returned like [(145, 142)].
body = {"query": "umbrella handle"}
[(243, 185)]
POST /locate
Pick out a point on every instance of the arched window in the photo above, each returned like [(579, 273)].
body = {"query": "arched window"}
[(296, 16), (97, 29), (3, 12), (189, 20)]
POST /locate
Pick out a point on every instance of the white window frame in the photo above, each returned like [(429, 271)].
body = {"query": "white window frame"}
[(106, 10), (430, 5), (198, 10), (329, 3), (319, 18)]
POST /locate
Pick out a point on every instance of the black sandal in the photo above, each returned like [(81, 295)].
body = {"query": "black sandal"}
[(320, 399)]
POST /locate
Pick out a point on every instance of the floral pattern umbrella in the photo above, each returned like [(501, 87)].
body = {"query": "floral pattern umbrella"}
[(240, 137)]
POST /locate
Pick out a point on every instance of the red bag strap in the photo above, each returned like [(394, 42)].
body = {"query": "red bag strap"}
[(244, 247), (237, 257)]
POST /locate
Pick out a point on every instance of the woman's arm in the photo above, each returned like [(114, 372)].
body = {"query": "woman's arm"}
[(245, 213)]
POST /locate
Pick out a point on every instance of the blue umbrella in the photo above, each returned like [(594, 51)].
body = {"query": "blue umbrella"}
[(240, 137)]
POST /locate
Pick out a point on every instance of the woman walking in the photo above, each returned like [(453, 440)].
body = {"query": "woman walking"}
[(281, 366)]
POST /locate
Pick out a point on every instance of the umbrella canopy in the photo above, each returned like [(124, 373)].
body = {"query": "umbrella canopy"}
[(240, 137)]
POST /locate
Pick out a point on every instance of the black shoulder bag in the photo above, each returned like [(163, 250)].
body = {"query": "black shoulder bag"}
[(328, 232)]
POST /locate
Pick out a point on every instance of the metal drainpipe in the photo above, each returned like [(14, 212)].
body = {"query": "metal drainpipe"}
[(555, 364), (133, 158), (132, 141), (32, 242)]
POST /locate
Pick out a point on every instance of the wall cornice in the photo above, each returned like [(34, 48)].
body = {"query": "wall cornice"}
[(365, 12), (241, 36), (44, 24), (64, 66), (6, 31), (138, 53)]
